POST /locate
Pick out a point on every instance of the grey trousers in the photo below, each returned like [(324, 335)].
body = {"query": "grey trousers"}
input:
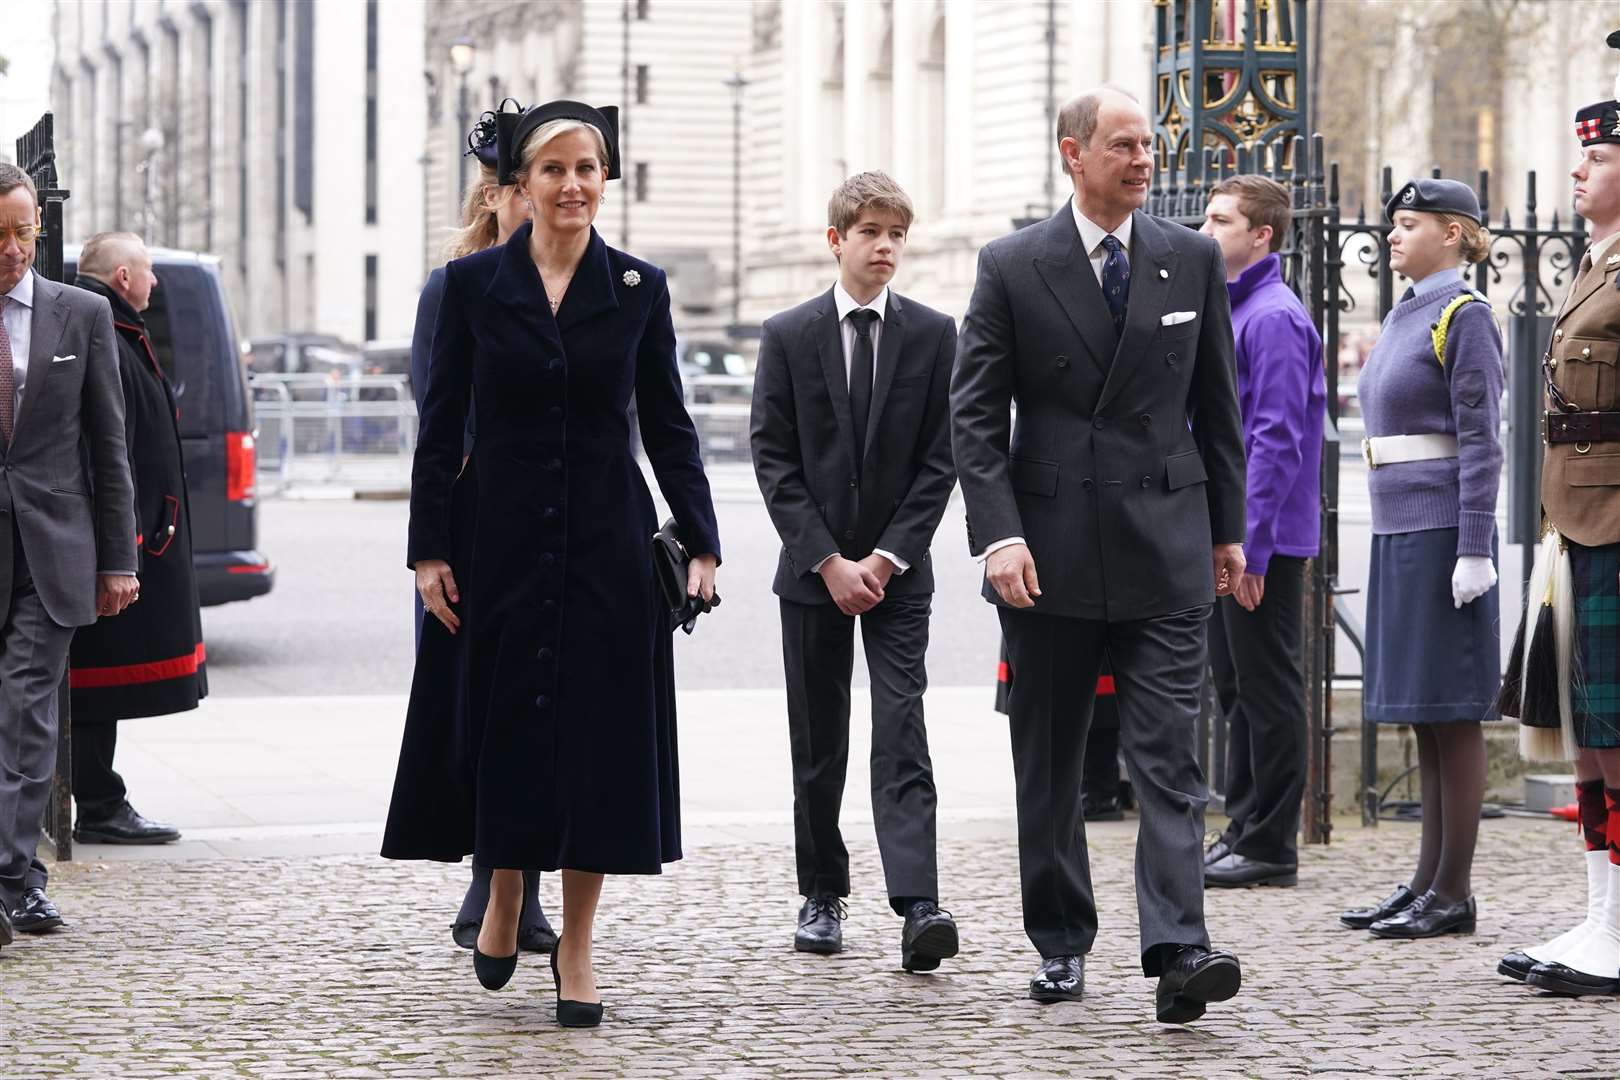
[(1158, 669), (33, 658)]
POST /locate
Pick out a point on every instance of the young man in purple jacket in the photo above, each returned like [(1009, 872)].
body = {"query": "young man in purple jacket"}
[(1256, 634)]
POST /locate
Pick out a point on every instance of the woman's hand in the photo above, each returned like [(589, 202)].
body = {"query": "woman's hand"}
[(700, 577), (436, 585)]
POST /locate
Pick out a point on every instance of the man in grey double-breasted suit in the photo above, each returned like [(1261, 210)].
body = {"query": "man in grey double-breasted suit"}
[(1109, 520), (67, 525)]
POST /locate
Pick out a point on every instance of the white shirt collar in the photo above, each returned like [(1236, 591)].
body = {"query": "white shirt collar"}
[(846, 303), (23, 292), (1091, 234)]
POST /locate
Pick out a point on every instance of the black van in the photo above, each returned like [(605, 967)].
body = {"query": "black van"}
[(189, 324)]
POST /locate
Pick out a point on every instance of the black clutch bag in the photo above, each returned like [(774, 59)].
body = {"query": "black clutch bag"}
[(671, 564)]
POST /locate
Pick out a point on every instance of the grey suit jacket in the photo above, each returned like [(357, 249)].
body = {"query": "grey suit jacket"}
[(65, 478), (1127, 461)]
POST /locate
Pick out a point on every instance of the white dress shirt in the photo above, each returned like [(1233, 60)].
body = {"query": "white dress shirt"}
[(846, 333), (19, 319), (1091, 238)]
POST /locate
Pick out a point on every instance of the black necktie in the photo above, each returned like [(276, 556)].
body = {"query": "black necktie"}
[(860, 377), (1116, 281), (1407, 295)]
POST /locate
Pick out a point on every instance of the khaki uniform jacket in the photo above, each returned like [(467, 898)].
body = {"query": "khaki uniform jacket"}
[(1580, 482)]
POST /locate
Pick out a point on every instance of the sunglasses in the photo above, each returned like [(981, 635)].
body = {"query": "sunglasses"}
[(23, 234)]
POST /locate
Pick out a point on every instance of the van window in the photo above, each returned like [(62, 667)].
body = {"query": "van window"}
[(183, 324)]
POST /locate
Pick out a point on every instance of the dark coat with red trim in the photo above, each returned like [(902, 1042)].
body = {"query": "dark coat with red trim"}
[(149, 660), (542, 735)]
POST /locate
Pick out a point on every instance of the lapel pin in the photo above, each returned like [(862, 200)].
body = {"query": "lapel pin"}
[(1163, 273), (632, 278), (1613, 259)]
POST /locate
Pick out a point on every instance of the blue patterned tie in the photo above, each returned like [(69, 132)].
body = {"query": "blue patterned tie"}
[(1116, 281)]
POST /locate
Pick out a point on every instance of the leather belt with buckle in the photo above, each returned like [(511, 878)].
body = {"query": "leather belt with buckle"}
[(1583, 427)]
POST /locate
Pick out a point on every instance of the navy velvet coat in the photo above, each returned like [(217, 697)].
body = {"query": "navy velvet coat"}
[(542, 736)]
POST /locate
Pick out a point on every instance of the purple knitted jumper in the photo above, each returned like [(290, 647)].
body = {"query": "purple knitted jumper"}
[(1404, 391)]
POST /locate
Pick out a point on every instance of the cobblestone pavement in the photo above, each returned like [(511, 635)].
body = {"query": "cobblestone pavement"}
[(342, 967)]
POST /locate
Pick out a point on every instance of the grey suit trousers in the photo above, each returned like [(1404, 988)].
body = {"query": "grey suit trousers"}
[(33, 658), (1158, 666)]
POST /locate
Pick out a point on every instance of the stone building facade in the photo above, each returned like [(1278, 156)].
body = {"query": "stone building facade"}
[(290, 139)]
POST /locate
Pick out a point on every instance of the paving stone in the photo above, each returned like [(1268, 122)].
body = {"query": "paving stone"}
[(342, 966)]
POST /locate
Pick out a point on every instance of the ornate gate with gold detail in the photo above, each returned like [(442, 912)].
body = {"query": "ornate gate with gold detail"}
[(1247, 60)]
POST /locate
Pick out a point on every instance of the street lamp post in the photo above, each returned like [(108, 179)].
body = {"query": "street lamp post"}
[(151, 145), (462, 54), (736, 83)]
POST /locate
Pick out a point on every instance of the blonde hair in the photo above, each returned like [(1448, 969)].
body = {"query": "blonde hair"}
[(1475, 244), (479, 227), (867, 190), (550, 130)]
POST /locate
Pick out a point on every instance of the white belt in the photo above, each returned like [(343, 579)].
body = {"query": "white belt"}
[(1393, 449)]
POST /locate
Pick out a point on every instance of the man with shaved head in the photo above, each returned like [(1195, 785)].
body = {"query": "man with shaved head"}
[(148, 662), (1109, 518)]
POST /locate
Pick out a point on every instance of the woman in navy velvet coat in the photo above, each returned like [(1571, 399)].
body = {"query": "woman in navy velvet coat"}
[(541, 728)]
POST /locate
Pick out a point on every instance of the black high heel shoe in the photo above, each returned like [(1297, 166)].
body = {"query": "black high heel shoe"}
[(575, 1014), (494, 972)]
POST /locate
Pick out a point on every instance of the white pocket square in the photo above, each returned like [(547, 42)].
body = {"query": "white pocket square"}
[(60, 359), (1176, 318)]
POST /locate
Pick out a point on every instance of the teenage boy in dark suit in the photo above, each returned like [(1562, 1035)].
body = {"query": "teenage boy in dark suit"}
[(851, 445)]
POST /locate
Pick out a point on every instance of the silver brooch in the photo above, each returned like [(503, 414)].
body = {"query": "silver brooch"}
[(632, 278)]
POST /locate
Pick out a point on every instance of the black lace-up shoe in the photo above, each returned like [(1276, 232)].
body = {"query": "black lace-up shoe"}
[(928, 938), (821, 925)]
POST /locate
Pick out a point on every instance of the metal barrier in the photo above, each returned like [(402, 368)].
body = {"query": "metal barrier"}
[(719, 407), (319, 430)]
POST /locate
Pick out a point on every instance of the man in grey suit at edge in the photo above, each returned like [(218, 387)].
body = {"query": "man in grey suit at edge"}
[(67, 526), (1110, 330)]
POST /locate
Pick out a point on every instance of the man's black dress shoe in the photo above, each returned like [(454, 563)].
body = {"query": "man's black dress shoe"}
[(1516, 965), (1234, 871), (1361, 918), (124, 826), (1061, 978), (5, 927), (821, 925), (1425, 918), (36, 914), (1561, 979), (928, 938), (1101, 808), (1193, 978), (1220, 849)]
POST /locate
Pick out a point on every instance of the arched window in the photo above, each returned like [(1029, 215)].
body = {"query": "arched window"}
[(930, 178), (834, 167), (880, 100)]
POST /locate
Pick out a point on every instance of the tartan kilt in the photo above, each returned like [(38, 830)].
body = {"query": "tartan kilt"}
[(1595, 574)]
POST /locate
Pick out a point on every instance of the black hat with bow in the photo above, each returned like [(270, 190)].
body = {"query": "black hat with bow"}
[(513, 128)]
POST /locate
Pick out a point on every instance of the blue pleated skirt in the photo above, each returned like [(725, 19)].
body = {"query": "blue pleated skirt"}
[(1427, 661)]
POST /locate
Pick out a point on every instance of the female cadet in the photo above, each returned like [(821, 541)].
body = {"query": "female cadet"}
[(1431, 397), (490, 212), (561, 751)]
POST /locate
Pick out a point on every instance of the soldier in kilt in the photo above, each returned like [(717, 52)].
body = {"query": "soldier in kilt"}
[(1566, 686)]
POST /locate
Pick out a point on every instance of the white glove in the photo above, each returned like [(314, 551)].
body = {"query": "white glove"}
[(1472, 579)]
